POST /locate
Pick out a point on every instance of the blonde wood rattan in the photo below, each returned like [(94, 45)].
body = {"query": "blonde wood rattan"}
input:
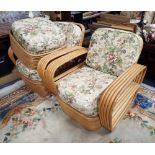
[(114, 101), (120, 93), (36, 86), (31, 60), (45, 61)]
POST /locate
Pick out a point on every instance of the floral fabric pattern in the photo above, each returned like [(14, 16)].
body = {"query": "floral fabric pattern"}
[(82, 89), (29, 73), (113, 51), (72, 31), (38, 35)]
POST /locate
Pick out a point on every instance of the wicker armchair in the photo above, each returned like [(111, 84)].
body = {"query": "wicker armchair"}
[(32, 39), (98, 91)]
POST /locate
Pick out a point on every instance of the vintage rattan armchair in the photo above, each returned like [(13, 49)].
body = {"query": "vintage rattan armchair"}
[(98, 91), (30, 48)]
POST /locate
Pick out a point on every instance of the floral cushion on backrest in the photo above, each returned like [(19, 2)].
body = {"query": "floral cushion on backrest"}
[(29, 73), (38, 35), (72, 32), (112, 51)]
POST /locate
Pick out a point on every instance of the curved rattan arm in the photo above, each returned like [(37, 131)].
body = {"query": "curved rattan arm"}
[(45, 61), (11, 55), (49, 79), (116, 99)]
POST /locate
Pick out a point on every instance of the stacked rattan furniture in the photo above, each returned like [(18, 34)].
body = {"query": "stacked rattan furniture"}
[(98, 91), (33, 38), (114, 21)]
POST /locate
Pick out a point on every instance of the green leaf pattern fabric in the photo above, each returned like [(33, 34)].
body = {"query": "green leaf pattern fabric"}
[(38, 35), (113, 51), (29, 73), (82, 89), (72, 32)]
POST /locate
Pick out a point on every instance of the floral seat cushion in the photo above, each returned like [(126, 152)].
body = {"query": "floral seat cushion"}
[(82, 89), (112, 51), (72, 31), (38, 35), (29, 73)]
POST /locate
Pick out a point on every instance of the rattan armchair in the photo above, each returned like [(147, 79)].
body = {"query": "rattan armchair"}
[(119, 90), (27, 61)]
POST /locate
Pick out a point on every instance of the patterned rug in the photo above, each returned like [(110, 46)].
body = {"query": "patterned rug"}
[(14, 102), (25, 117), (146, 102)]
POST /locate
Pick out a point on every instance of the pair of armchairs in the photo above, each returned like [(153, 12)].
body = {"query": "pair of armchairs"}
[(97, 91)]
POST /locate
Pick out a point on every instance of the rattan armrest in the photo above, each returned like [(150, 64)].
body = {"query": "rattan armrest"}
[(125, 85), (45, 61), (11, 55), (48, 72)]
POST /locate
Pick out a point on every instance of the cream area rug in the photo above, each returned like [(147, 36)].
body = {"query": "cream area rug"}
[(33, 119)]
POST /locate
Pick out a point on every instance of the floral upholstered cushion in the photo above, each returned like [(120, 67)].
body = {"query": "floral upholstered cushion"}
[(72, 31), (38, 35), (112, 51), (82, 89), (29, 73)]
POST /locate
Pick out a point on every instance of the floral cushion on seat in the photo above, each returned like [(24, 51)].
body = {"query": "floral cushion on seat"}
[(82, 89), (112, 51), (38, 35), (72, 31), (29, 73)]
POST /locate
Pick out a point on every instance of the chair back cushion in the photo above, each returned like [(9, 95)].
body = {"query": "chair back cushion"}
[(112, 51), (73, 33)]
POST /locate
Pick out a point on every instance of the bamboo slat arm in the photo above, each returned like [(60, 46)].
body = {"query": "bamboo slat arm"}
[(11, 55), (49, 72), (126, 85), (46, 60)]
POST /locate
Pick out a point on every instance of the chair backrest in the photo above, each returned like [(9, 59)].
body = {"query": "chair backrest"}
[(112, 51), (73, 33)]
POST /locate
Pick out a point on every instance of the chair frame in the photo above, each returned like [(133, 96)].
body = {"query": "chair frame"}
[(114, 101)]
